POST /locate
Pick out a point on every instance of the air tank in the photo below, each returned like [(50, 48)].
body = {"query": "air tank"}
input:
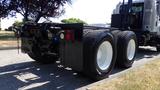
[(149, 18)]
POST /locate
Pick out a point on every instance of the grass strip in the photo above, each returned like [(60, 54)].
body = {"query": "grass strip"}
[(146, 77)]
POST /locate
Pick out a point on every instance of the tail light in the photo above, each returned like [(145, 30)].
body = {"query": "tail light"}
[(69, 35)]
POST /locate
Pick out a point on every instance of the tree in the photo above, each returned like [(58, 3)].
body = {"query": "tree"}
[(32, 10), (73, 20), (15, 26)]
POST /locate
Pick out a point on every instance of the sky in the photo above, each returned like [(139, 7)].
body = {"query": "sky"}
[(90, 11)]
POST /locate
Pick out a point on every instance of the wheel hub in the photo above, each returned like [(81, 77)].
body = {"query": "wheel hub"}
[(104, 55), (131, 49)]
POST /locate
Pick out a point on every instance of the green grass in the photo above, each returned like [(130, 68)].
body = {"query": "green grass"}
[(146, 77)]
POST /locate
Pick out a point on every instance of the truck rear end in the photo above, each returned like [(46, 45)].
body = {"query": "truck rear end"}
[(64, 41), (88, 49)]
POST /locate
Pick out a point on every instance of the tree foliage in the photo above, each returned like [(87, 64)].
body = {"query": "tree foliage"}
[(73, 20), (15, 26), (33, 10)]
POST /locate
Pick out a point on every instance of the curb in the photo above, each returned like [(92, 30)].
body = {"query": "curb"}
[(87, 87), (8, 48)]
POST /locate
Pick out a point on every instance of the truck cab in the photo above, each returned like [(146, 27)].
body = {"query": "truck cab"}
[(142, 17)]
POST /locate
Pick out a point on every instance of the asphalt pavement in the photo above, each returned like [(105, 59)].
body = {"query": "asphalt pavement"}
[(19, 72)]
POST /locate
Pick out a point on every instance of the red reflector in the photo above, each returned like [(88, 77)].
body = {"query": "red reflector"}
[(69, 35)]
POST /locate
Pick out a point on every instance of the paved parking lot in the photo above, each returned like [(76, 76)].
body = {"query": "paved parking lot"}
[(18, 71)]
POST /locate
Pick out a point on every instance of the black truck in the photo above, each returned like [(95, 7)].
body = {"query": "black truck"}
[(95, 50)]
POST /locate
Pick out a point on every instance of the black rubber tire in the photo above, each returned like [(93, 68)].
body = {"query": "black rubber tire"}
[(37, 56), (158, 47), (115, 33), (92, 41), (123, 39)]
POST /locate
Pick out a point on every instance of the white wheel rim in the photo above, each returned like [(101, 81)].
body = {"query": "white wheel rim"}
[(104, 55), (131, 49)]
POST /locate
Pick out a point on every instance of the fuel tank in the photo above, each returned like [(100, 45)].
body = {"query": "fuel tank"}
[(150, 16)]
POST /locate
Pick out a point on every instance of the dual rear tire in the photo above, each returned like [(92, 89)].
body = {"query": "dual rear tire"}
[(103, 49), (126, 48), (99, 54)]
